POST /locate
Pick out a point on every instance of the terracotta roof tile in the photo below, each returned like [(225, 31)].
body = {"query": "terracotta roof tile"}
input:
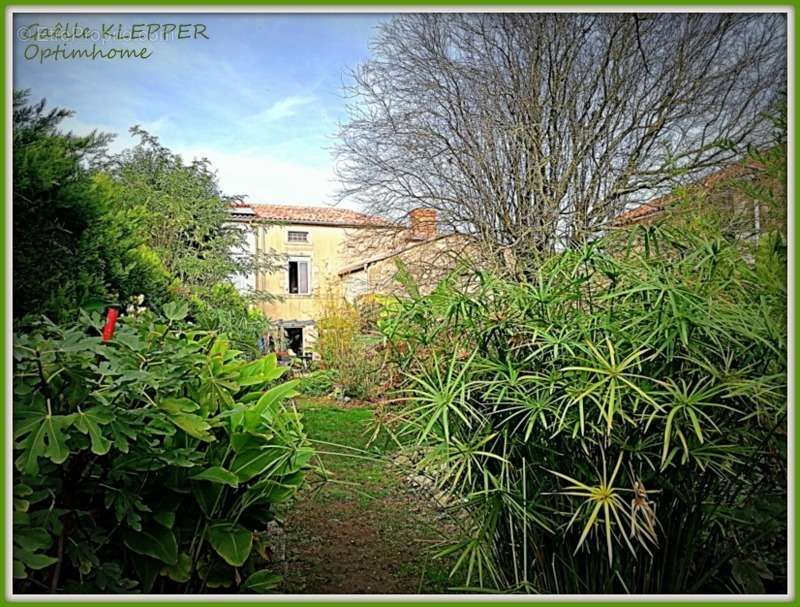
[(657, 205), (316, 215)]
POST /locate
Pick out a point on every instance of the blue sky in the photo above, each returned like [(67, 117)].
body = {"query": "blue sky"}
[(261, 98)]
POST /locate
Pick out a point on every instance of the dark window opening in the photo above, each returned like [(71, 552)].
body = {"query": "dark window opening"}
[(298, 277), (294, 341), (298, 236)]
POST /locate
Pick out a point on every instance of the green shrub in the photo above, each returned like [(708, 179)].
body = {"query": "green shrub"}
[(346, 350), (614, 423), (318, 383), (74, 246), (222, 308), (151, 462)]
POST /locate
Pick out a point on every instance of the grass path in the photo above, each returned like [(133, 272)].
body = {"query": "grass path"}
[(362, 532)]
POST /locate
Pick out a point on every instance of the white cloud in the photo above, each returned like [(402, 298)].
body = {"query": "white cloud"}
[(285, 108), (268, 179)]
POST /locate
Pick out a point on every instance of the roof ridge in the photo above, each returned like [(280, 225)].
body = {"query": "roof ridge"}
[(315, 208), (711, 180), (303, 206), (310, 215)]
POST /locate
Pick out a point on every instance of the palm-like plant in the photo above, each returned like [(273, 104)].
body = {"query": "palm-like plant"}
[(663, 352)]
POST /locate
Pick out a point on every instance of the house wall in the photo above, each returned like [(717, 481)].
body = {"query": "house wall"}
[(329, 248), (428, 263)]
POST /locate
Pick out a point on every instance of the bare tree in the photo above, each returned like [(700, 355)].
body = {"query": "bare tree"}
[(531, 131)]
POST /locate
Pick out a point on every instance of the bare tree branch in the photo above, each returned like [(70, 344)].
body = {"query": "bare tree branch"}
[(531, 131)]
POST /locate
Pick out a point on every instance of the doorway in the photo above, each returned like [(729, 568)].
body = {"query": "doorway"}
[(294, 340)]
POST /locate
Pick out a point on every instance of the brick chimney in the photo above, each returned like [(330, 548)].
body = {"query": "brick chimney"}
[(423, 224)]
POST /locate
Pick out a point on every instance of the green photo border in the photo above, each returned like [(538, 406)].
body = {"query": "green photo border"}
[(404, 5)]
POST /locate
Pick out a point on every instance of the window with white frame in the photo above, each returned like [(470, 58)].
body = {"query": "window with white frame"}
[(298, 279), (244, 283), (297, 236)]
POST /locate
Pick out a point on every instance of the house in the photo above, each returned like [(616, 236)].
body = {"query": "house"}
[(327, 251), (425, 253), (729, 189)]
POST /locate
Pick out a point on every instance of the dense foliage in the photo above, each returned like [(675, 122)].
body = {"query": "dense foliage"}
[(73, 245), (222, 308), (150, 462), (614, 423), (186, 215), (92, 230)]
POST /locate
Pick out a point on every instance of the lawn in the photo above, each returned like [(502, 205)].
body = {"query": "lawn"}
[(358, 528)]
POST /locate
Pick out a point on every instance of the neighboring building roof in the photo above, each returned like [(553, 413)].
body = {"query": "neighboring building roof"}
[(364, 264), (326, 216), (655, 206)]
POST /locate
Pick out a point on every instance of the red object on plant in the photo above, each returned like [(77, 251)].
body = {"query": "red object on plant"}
[(111, 322)]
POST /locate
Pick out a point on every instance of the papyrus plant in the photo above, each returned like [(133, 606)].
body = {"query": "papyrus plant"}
[(614, 421)]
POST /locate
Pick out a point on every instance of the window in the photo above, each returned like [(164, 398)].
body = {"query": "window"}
[(244, 283), (298, 236), (299, 276)]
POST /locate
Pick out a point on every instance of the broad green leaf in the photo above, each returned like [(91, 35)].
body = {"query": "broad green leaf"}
[(218, 574), (217, 474), (193, 425), (232, 542), (177, 406), (89, 422), (261, 371), (22, 490), (19, 570), (180, 571), (148, 570), (32, 539), (165, 518), (206, 494), (155, 541), (254, 461), (220, 346), (45, 440), (249, 397), (241, 441), (262, 581), (33, 560), (275, 395), (217, 392), (274, 491), (302, 457), (261, 414), (176, 310)]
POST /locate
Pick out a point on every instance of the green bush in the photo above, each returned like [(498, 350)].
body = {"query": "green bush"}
[(318, 383), (222, 308), (151, 462), (345, 349), (90, 231), (614, 423), (73, 243)]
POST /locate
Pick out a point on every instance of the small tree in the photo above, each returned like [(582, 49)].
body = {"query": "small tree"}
[(187, 221), (73, 245)]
